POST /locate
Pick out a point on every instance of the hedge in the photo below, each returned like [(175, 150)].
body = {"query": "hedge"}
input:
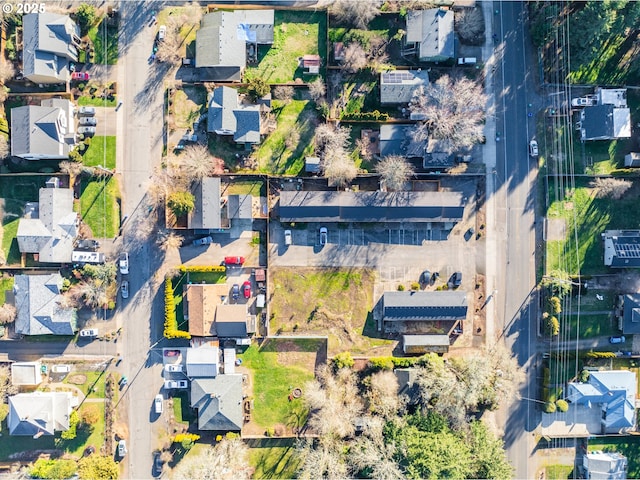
[(389, 363), (366, 116), (601, 355), (202, 268), (170, 320)]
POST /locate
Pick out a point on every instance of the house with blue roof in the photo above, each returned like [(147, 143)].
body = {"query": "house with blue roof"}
[(612, 396)]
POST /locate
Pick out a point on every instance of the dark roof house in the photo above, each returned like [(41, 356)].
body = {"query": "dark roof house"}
[(207, 212), (621, 248), (200, 302), (228, 116), (604, 122), (219, 402), (39, 413), (50, 226), (38, 301), (361, 206), (50, 42), (233, 321), (399, 86), (240, 207), (631, 314), (431, 32)]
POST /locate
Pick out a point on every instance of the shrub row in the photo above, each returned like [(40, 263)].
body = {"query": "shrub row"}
[(170, 320), (366, 116), (389, 363), (202, 268)]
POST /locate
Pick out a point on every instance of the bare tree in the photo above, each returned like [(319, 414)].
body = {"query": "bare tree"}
[(469, 25), (168, 240), (454, 111), (228, 460), (317, 89), (92, 293), (364, 148), (169, 49), (395, 172), (195, 163), (163, 183), (611, 187), (7, 71), (292, 140), (284, 93), (355, 12), (7, 313), (4, 147), (326, 460), (382, 394), (370, 451), (331, 147), (355, 58), (6, 387)]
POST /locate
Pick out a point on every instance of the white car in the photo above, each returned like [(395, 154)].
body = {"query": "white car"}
[(533, 148), (122, 448), (88, 111), (287, 237), (173, 367), (89, 332), (323, 235), (124, 289), (587, 101), (124, 263), (61, 368), (87, 130), (162, 32), (168, 384), (157, 404)]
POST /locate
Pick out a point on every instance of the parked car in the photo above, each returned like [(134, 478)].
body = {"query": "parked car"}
[(203, 241), (235, 291), (88, 131), (173, 367), (157, 404), (246, 289), (124, 289), (287, 237), (61, 368), (587, 101), (91, 245), (122, 448), (124, 263), (87, 111), (617, 339), (234, 260), (169, 384), (533, 148), (89, 332), (469, 233), (324, 233), (171, 353), (425, 277), (88, 121), (162, 32), (80, 76), (456, 280), (157, 464), (189, 138)]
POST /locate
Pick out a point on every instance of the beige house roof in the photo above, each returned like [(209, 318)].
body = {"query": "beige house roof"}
[(202, 302)]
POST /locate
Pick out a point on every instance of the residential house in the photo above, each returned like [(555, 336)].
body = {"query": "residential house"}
[(399, 86), (219, 402), (49, 226), (604, 466), (234, 322), (240, 207), (50, 43), (631, 314), (229, 116), (606, 404), (426, 319), (43, 132), (227, 38), (430, 34), (203, 361), (632, 159), (202, 300), (438, 154), (611, 96), (370, 207), (39, 413), (40, 307), (311, 64), (395, 139), (621, 248), (604, 122), (26, 373), (208, 211)]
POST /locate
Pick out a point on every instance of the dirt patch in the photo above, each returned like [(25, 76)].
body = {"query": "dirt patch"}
[(304, 359), (33, 455), (77, 379), (555, 229)]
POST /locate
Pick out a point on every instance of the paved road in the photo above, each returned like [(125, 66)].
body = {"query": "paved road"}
[(516, 199), (26, 351)]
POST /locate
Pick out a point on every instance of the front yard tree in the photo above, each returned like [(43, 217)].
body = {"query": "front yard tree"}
[(53, 469), (257, 86), (395, 172), (169, 49), (284, 93), (98, 467), (86, 15), (6, 387), (181, 203), (611, 187), (7, 313), (558, 282), (355, 58), (454, 111), (228, 460), (195, 163), (7, 71), (355, 12)]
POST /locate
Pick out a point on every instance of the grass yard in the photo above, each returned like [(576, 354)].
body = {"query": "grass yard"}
[(558, 472), (11, 445), (6, 283), (273, 155), (331, 302), (592, 326), (87, 100), (225, 148), (275, 374), (85, 436), (94, 381), (192, 277), (187, 31), (295, 34), (256, 188), (101, 152), (628, 446), (187, 104), (181, 410), (99, 206), (589, 217), (275, 462), (105, 42)]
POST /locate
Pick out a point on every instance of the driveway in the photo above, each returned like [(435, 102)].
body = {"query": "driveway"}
[(107, 121)]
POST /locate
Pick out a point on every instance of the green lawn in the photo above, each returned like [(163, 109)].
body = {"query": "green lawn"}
[(86, 100), (558, 472), (628, 446), (589, 217), (273, 155), (10, 445), (272, 382), (99, 207), (592, 326), (295, 34), (105, 42), (377, 28), (6, 283), (275, 462), (85, 436), (256, 188), (95, 382), (181, 410), (101, 152), (187, 104)]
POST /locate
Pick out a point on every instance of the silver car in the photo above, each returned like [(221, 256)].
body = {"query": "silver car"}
[(87, 111), (88, 121), (87, 130)]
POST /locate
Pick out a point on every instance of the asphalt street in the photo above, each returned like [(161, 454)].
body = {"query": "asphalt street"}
[(515, 177)]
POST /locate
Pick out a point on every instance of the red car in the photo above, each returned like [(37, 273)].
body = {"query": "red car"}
[(83, 76), (234, 260), (246, 289)]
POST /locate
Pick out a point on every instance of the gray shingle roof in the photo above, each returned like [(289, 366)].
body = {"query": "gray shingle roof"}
[(605, 122), (424, 306), (219, 402), (206, 214), (433, 30), (399, 86), (621, 248), (226, 116), (40, 132), (32, 413), (37, 299), (231, 321), (49, 45), (240, 206), (248, 124), (51, 234), (312, 206)]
